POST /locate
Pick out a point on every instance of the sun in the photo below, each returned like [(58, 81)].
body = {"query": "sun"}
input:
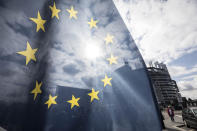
[(92, 51)]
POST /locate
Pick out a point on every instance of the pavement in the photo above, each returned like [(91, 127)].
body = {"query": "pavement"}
[(177, 125)]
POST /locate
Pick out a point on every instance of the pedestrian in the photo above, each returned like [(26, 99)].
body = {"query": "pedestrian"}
[(170, 113)]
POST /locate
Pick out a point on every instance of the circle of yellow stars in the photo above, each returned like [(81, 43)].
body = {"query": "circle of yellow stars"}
[(29, 53)]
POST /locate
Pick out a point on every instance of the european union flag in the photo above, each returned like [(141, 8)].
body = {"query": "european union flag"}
[(71, 65)]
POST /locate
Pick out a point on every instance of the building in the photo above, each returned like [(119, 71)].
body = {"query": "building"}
[(166, 89)]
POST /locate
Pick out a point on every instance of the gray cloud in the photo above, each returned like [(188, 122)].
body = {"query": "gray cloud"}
[(61, 51), (189, 87), (71, 69)]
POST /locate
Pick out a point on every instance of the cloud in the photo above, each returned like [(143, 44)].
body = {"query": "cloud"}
[(12, 25), (163, 30), (13, 72), (187, 79), (71, 69), (182, 71), (71, 37), (188, 88), (60, 56), (17, 79)]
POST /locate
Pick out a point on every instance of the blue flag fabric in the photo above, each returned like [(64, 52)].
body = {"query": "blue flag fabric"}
[(71, 65)]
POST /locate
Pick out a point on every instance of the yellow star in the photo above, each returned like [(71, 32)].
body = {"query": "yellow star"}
[(112, 59), (55, 11), (29, 53), (74, 101), (92, 23), (36, 90), (109, 39), (73, 13), (106, 81), (51, 101), (94, 95), (39, 22)]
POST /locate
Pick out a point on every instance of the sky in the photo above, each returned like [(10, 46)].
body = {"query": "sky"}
[(166, 31), (62, 49)]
